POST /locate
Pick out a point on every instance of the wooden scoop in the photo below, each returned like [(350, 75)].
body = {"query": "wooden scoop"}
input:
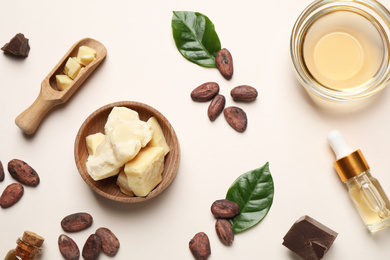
[(50, 96)]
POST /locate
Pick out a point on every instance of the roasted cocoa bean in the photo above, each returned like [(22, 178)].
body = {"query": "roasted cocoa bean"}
[(244, 93), (200, 246), (1, 172), (92, 247), (110, 243), (236, 118), (23, 173), (76, 222), (225, 209), (12, 194), (68, 248), (205, 92), (224, 231), (224, 63), (216, 107)]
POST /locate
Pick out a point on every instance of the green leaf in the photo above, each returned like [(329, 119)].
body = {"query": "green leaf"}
[(253, 192), (195, 37)]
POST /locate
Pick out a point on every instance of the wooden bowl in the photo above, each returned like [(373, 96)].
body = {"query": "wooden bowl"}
[(107, 187)]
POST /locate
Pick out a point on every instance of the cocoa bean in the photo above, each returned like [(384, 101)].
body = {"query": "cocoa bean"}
[(23, 173), (225, 209), (76, 222), (224, 63), (205, 92), (1, 172), (68, 248), (216, 107), (236, 118), (92, 247), (200, 246), (244, 93), (110, 243), (224, 231), (11, 194)]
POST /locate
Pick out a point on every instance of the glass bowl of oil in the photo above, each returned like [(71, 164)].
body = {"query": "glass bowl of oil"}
[(341, 49)]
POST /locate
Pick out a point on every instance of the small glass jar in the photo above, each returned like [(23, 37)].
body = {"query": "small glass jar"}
[(340, 49), (29, 247)]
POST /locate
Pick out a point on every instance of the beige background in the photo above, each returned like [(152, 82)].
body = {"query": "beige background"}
[(285, 128)]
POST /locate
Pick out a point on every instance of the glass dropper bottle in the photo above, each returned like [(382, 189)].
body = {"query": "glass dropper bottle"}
[(364, 190)]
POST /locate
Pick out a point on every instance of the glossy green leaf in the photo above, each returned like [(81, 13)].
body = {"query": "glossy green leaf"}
[(195, 37), (253, 192)]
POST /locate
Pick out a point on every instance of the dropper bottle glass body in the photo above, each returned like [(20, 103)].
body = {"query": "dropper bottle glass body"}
[(364, 190)]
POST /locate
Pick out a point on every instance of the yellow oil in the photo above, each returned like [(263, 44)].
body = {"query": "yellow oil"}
[(375, 212), (343, 50)]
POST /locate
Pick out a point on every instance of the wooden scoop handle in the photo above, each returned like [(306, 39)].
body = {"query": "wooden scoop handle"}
[(29, 120)]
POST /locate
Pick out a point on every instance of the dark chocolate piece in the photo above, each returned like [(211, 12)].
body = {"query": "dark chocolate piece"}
[(17, 46), (309, 238)]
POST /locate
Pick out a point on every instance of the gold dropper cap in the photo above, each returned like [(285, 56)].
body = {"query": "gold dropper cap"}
[(351, 165)]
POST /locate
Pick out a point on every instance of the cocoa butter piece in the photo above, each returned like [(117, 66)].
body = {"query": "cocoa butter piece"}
[(68, 248), (17, 46), (225, 209), (205, 92), (1, 172), (224, 63), (92, 247), (236, 118), (11, 194), (110, 243), (216, 107), (76, 222), (224, 231), (200, 246), (244, 93), (23, 173), (309, 238)]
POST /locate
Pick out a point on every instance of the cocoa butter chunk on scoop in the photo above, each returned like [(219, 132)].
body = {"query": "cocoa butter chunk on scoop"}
[(309, 238), (51, 94)]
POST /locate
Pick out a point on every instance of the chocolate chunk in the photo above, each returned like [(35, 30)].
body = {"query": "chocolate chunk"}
[(17, 46), (309, 238)]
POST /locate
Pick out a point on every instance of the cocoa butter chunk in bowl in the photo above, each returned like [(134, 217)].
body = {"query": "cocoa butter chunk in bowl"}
[(110, 184)]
